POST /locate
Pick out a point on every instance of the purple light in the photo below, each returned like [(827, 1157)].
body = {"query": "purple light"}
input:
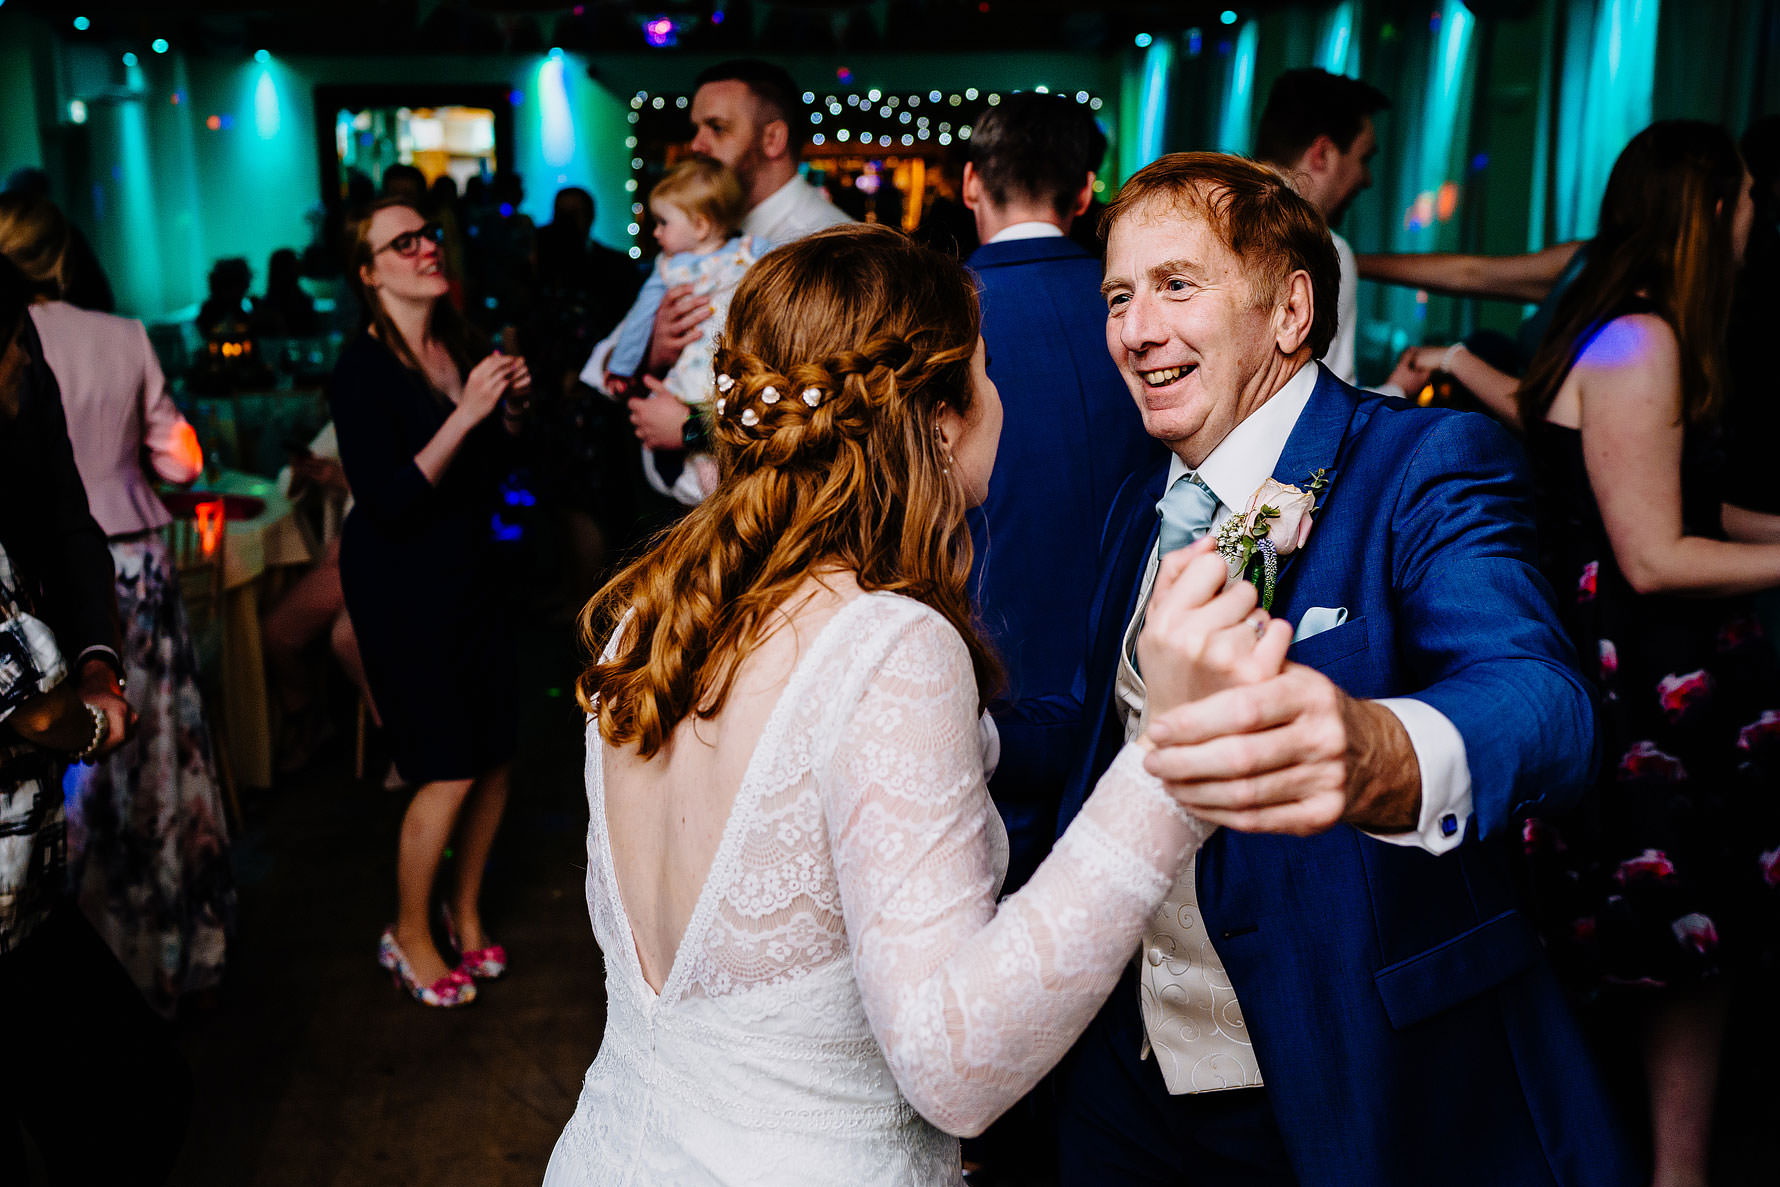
[(506, 210), (844, 75), (717, 17), (659, 32), (516, 97)]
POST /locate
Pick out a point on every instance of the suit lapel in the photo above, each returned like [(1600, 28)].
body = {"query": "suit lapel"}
[(1315, 443)]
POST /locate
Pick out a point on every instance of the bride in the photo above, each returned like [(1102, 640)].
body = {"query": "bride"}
[(793, 861)]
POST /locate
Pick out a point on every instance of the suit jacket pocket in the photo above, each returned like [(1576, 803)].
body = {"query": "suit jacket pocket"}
[(1457, 969), (1325, 647)]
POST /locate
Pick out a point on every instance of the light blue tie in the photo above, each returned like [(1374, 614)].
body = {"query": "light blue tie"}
[(1187, 511)]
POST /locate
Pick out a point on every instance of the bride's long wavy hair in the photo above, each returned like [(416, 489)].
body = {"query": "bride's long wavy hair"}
[(840, 351)]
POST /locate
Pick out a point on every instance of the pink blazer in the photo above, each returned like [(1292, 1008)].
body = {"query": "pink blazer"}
[(117, 404)]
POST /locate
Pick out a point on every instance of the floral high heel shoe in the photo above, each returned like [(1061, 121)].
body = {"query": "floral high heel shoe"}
[(484, 964), (453, 989)]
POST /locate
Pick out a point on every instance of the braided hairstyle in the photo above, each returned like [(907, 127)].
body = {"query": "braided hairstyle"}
[(840, 352)]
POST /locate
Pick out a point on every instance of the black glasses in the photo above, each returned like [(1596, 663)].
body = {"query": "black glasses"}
[(407, 244)]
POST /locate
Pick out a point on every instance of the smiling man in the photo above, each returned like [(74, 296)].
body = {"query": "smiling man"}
[(746, 113), (1340, 989)]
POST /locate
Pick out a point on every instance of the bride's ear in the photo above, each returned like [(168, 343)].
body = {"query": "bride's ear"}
[(947, 426)]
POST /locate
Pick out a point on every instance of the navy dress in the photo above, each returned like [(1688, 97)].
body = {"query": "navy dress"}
[(418, 566), (1669, 871)]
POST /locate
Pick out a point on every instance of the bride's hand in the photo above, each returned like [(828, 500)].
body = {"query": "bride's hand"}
[(1200, 637)]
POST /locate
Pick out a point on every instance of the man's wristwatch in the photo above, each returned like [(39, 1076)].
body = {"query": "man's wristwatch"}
[(695, 433)]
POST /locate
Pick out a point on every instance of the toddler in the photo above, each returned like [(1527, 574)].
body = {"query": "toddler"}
[(698, 208)]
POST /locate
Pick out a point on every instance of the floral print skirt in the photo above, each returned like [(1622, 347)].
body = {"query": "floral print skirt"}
[(148, 848), (1669, 871)]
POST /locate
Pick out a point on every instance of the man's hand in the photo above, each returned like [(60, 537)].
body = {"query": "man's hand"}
[(677, 324), (659, 418), (1292, 754), (99, 688)]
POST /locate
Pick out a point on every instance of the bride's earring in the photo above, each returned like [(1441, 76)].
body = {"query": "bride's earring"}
[(939, 438)]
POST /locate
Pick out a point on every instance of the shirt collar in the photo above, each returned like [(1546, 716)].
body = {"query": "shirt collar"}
[(1246, 458), (1036, 229), (777, 205)]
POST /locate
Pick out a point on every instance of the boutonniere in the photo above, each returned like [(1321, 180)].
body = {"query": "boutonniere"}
[(1276, 523)]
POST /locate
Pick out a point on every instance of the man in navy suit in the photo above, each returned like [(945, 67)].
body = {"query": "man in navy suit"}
[(1069, 439), (1340, 988)]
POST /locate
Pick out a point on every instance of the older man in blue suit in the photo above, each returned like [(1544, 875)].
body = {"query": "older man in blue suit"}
[(1341, 988), (1070, 437)]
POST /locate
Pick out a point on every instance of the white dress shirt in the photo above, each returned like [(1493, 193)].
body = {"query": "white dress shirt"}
[(1192, 1019), (1343, 355), (1036, 229), (794, 210)]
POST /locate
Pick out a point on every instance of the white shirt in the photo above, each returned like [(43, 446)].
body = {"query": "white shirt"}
[(1192, 1019), (794, 210), (1037, 229), (1343, 355)]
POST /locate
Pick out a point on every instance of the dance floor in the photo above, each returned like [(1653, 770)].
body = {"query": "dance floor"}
[(311, 1070)]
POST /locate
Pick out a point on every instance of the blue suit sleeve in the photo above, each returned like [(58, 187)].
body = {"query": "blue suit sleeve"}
[(630, 341), (1477, 628)]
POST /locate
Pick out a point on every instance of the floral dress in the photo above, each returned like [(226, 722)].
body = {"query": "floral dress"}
[(1669, 870)]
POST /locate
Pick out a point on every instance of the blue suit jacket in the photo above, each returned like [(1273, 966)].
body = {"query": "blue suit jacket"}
[(1070, 437), (1408, 1028)]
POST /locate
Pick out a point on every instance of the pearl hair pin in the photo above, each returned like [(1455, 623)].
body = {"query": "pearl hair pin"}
[(720, 403), (750, 417), (769, 395), (724, 383), (812, 396)]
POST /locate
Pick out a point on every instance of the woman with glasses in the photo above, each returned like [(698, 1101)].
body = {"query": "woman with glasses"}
[(425, 416)]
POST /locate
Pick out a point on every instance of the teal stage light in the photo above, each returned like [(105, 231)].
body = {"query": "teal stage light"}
[(129, 59), (158, 45), (81, 24), (1142, 40), (1228, 16), (262, 56)]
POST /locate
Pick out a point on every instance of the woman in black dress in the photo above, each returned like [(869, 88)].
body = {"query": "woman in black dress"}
[(1666, 878), (424, 433)]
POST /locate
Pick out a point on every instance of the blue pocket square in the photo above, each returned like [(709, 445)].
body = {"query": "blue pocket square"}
[(1318, 619)]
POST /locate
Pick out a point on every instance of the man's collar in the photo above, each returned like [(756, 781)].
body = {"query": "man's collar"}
[(1036, 229), (1246, 458), (776, 204)]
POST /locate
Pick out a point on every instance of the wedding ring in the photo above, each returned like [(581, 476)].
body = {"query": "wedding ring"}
[(1260, 627)]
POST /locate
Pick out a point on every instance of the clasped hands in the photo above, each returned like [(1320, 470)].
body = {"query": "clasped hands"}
[(1244, 739)]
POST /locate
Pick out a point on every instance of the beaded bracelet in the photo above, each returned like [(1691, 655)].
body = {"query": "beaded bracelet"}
[(101, 727)]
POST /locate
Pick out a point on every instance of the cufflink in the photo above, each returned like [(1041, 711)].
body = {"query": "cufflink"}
[(1449, 824)]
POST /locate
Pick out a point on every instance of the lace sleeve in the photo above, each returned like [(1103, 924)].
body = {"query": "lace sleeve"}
[(971, 1004)]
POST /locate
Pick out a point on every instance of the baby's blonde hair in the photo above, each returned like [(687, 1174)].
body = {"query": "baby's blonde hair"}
[(707, 189)]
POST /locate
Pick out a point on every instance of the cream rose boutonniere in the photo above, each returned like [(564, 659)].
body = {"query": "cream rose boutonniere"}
[(1276, 523)]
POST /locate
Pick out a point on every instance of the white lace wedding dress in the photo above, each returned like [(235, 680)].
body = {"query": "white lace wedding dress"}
[(847, 994)]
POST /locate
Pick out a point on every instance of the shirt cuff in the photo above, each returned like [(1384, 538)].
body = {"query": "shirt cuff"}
[(594, 373), (1446, 777), (105, 654)]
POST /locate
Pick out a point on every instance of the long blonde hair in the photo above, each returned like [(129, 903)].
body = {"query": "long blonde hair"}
[(34, 236), (840, 351)]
